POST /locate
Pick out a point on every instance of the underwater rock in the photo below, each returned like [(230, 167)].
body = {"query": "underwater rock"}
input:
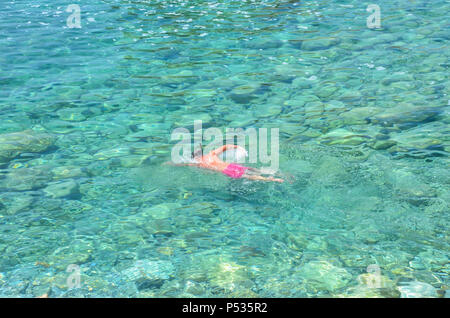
[(364, 291), (411, 188), (11, 203), (161, 211), (165, 250), (405, 116), (297, 241), (433, 259), (397, 77), (14, 144), (358, 115), (245, 93), (301, 83), (322, 275), (427, 137), (228, 275), (382, 144), (405, 86), (288, 72), (118, 151), (133, 161), (194, 288), (204, 92), (317, 244), (263, 44), (409, 143), (342, 136), (379, 38), (375, 280), (318, 44), (96, 284), (268, 111), (153, 129), (313, 109), (60, 126), (138, 136), (78, 252), (25, 179), (63, 189), (66, 172), (417, 290), (300, 100), (350, 95), (187, 120), (127, 232), (325, 91), (145, 148), (148, 274), (182, 77), (146, 118), (241, 119), (335, 106), (159, 226), (203, 209), (72, 114), (291, 129)]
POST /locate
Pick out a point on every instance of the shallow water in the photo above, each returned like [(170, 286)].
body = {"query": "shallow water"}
[(363, 119)]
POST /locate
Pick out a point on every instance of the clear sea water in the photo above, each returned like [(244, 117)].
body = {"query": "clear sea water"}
[(364, 131)]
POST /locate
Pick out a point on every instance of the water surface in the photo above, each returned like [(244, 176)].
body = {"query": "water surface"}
[(363, 119)]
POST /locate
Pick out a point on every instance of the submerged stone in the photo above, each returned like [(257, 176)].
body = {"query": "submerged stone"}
[(397, 77), (417, 290), (228, 275), (405, 116), (342, 136), (263, 44), (112, 153), (132, 161), (359, 115), (182, 77), (65, 172), (318, 44), (322, 275), (26, 179), (161, 211), (62, 189), (72, 114), (148, 273), (14, 144), (188, 120), (12, 203), (245, 93), (326, 91)]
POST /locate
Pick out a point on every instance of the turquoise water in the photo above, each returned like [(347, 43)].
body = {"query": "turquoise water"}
[(86, 116)]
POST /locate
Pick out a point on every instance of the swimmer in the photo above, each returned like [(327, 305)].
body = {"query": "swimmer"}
[(212, 161)]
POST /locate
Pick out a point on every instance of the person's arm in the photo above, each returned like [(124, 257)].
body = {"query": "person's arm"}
[(224, 148), (219, 150)]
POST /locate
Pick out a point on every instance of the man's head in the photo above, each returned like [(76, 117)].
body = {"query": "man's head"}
[(198, 153)]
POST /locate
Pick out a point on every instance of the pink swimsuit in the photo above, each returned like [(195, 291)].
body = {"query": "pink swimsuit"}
[(234, 170)]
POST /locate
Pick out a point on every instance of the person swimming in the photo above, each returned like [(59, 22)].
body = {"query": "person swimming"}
[(211, 161)]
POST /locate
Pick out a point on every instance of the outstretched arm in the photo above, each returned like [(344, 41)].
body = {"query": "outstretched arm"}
[(219, 150)]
